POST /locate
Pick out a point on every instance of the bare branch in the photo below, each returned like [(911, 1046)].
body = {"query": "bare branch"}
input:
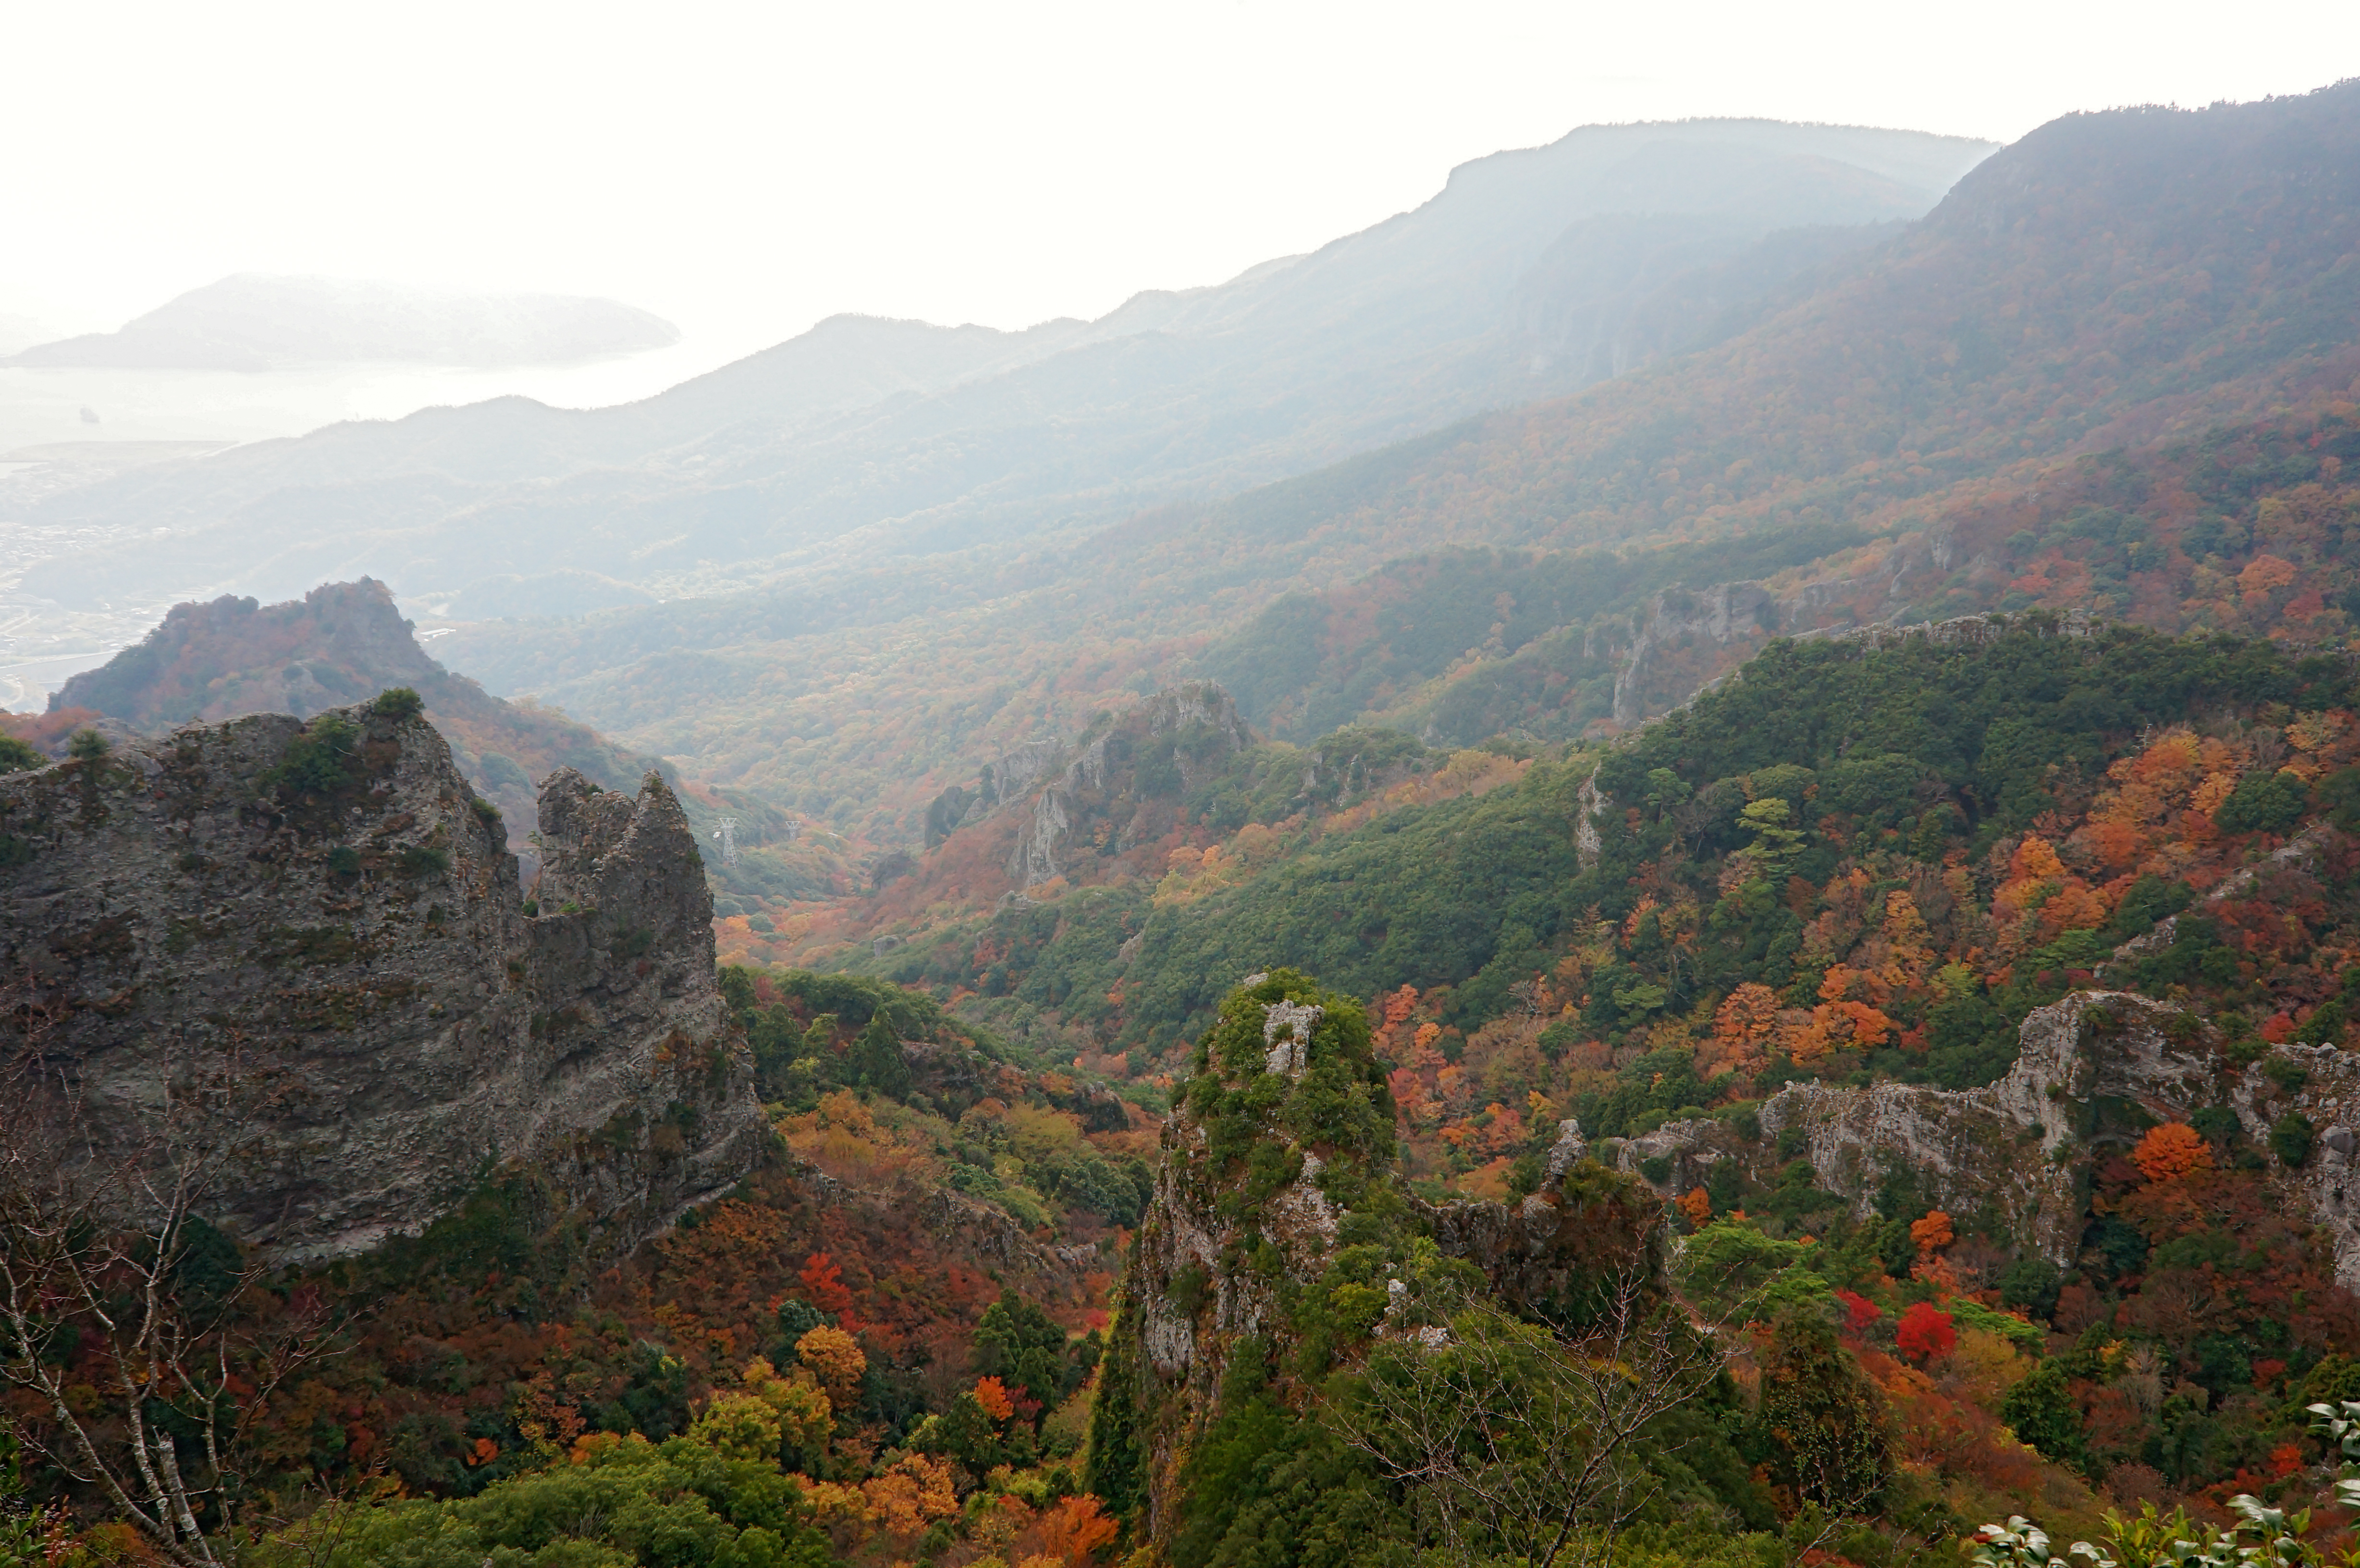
[(97, 1228)]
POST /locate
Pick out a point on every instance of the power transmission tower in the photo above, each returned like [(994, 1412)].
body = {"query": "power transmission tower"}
[(727, 834)]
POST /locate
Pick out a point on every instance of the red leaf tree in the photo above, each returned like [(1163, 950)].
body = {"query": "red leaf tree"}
[(1926, 1332)]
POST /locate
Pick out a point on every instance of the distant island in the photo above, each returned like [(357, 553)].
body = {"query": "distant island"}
[(251, 321)]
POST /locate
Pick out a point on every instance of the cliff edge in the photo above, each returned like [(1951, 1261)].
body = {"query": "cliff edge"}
[(303, 945)]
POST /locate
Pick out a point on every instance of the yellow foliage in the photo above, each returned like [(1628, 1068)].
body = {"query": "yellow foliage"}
[(805, 1414), (2216, 788), (835, 1360), (738, 1426), (910, 1494), (1040, 1136), (1986, 1365)]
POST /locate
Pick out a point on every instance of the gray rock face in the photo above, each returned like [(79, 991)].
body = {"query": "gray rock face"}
[(2011, 1143), (1999, 1143), (1065, 792), (352, 973)]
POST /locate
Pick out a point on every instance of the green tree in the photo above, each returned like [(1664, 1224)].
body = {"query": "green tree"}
[(2290, 1138), (631, 1504), (1023, 1348), (1777, 841), (1116, 1468), (398, 704), (877, 1060), (2263, 803), (1824, 1419), (2042, 1411)]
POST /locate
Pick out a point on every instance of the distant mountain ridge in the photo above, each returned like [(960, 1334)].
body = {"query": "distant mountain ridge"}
[(2120, 281), (253, 321), (340, 644), (346, 642), (871, 442)]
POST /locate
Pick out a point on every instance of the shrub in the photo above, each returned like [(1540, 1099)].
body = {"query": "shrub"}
[(319, 760), (2290, 1138), (16, 757), (88, 746), (398, 704), (423, 860)]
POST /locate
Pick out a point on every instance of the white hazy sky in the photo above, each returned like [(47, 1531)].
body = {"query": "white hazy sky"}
[(745, 169)]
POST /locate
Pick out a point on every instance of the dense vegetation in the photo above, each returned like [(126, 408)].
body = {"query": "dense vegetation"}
[(1925, 767), (875, 1348), (2114, 375)]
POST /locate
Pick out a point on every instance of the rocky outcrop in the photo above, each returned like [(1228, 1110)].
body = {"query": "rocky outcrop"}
[(1679, 620), (1111, 788), (1998, 1144), (2011, 1143), (342, 642), (1254, 1203), (321, 927)]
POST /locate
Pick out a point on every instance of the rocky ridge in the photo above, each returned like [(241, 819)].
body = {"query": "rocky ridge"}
[(1105, 786), (341, 643), (2009, 1143), (322, 923), (1276, 1188)]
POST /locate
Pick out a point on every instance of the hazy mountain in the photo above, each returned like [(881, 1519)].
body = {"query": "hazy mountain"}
[(252, 321), (1879, 432), (921, 440), (340, 644), (344, 643), (21, 331)]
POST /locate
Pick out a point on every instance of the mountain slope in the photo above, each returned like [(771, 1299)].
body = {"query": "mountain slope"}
[(2110, 278), (342, 642), (1948, 918), (1378, 335), (2127, 280)]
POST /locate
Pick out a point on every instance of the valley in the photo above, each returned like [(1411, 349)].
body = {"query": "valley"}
[(1659, 865)]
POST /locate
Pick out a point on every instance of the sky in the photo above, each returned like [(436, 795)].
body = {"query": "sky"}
[(745, 171)]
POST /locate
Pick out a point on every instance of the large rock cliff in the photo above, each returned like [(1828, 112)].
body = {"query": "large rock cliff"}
[(320, 925), (342, 642), (1113, 786), (2015, 1144), (1278, 1221)]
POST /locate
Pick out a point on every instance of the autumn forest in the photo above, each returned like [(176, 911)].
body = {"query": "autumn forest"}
[(1734, 943)]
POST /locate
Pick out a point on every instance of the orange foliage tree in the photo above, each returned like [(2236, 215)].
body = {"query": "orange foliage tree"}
[(1931, 1234), (992, 1395), (824, 1284), (2170, 1151)]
